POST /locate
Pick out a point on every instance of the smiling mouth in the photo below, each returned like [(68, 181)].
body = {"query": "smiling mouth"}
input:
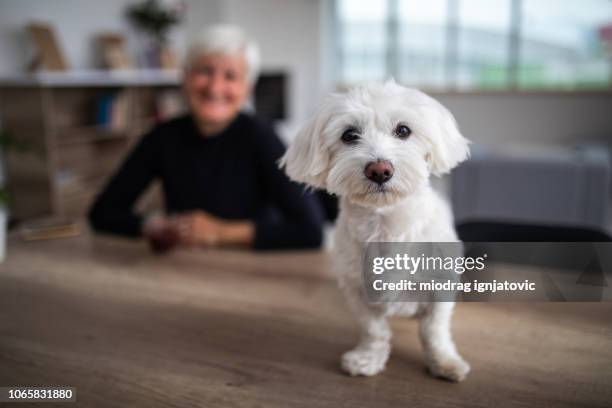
[(210, 97), (212, 100)]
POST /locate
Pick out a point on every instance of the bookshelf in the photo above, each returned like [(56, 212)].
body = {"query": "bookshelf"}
[(76, 128)]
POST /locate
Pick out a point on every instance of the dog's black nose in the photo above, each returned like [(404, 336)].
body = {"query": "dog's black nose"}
[(379, 171)]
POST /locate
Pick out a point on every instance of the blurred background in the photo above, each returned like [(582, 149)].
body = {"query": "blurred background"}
[(529, 81)]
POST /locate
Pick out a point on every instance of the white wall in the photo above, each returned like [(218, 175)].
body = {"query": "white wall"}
[(295, 36), (520, 121)]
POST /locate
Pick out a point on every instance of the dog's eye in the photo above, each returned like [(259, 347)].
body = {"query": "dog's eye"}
[(402, 131), (350, 136)]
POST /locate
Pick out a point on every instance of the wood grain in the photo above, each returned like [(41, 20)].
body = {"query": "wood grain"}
[(202, 328)]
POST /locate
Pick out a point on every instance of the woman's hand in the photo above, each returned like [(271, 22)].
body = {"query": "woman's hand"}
[(199, 228), (161, 232)]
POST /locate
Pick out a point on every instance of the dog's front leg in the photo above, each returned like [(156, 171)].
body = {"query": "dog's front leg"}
[(441, 355), (372, 352)]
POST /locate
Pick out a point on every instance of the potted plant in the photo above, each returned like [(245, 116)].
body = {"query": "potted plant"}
[(156, 19)]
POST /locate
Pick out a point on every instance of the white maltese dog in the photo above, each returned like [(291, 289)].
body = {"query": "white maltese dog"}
[(375, 147)]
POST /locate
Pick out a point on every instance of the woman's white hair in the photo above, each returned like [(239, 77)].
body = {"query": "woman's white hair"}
[(227, 40)]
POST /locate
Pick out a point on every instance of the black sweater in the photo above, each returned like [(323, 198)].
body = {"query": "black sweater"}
[(232, 175)]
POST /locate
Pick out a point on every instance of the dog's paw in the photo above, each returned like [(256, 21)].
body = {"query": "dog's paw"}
[(366, 362), (450, 368)]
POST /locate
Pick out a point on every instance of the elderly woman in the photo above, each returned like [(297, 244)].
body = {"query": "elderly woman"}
[(217, 165)]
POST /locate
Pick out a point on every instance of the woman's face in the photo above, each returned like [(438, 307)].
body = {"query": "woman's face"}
[(216, 88)]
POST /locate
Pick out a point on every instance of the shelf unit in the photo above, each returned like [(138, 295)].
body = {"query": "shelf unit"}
[(68, 157)]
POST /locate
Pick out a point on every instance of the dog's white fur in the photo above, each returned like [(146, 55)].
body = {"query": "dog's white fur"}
[(404, 209)]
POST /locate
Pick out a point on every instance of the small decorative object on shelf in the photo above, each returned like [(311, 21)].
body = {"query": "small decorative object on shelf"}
[(48, 54), (156, 18), (113, 51)]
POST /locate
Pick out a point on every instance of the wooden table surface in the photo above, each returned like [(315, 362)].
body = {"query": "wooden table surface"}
[(200, 328)]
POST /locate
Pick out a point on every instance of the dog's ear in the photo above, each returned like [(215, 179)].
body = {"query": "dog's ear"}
[(449, 147), (306, 160)]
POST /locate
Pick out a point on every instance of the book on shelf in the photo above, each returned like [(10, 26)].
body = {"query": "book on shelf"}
[(112, 111), (49, 228), (119, 115)]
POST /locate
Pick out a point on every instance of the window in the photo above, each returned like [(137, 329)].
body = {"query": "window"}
[(422, 43), (363, 40), (562, 46), (477, 44), (484, 30)]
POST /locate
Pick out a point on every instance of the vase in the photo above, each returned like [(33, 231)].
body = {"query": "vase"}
[(3, 231)]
